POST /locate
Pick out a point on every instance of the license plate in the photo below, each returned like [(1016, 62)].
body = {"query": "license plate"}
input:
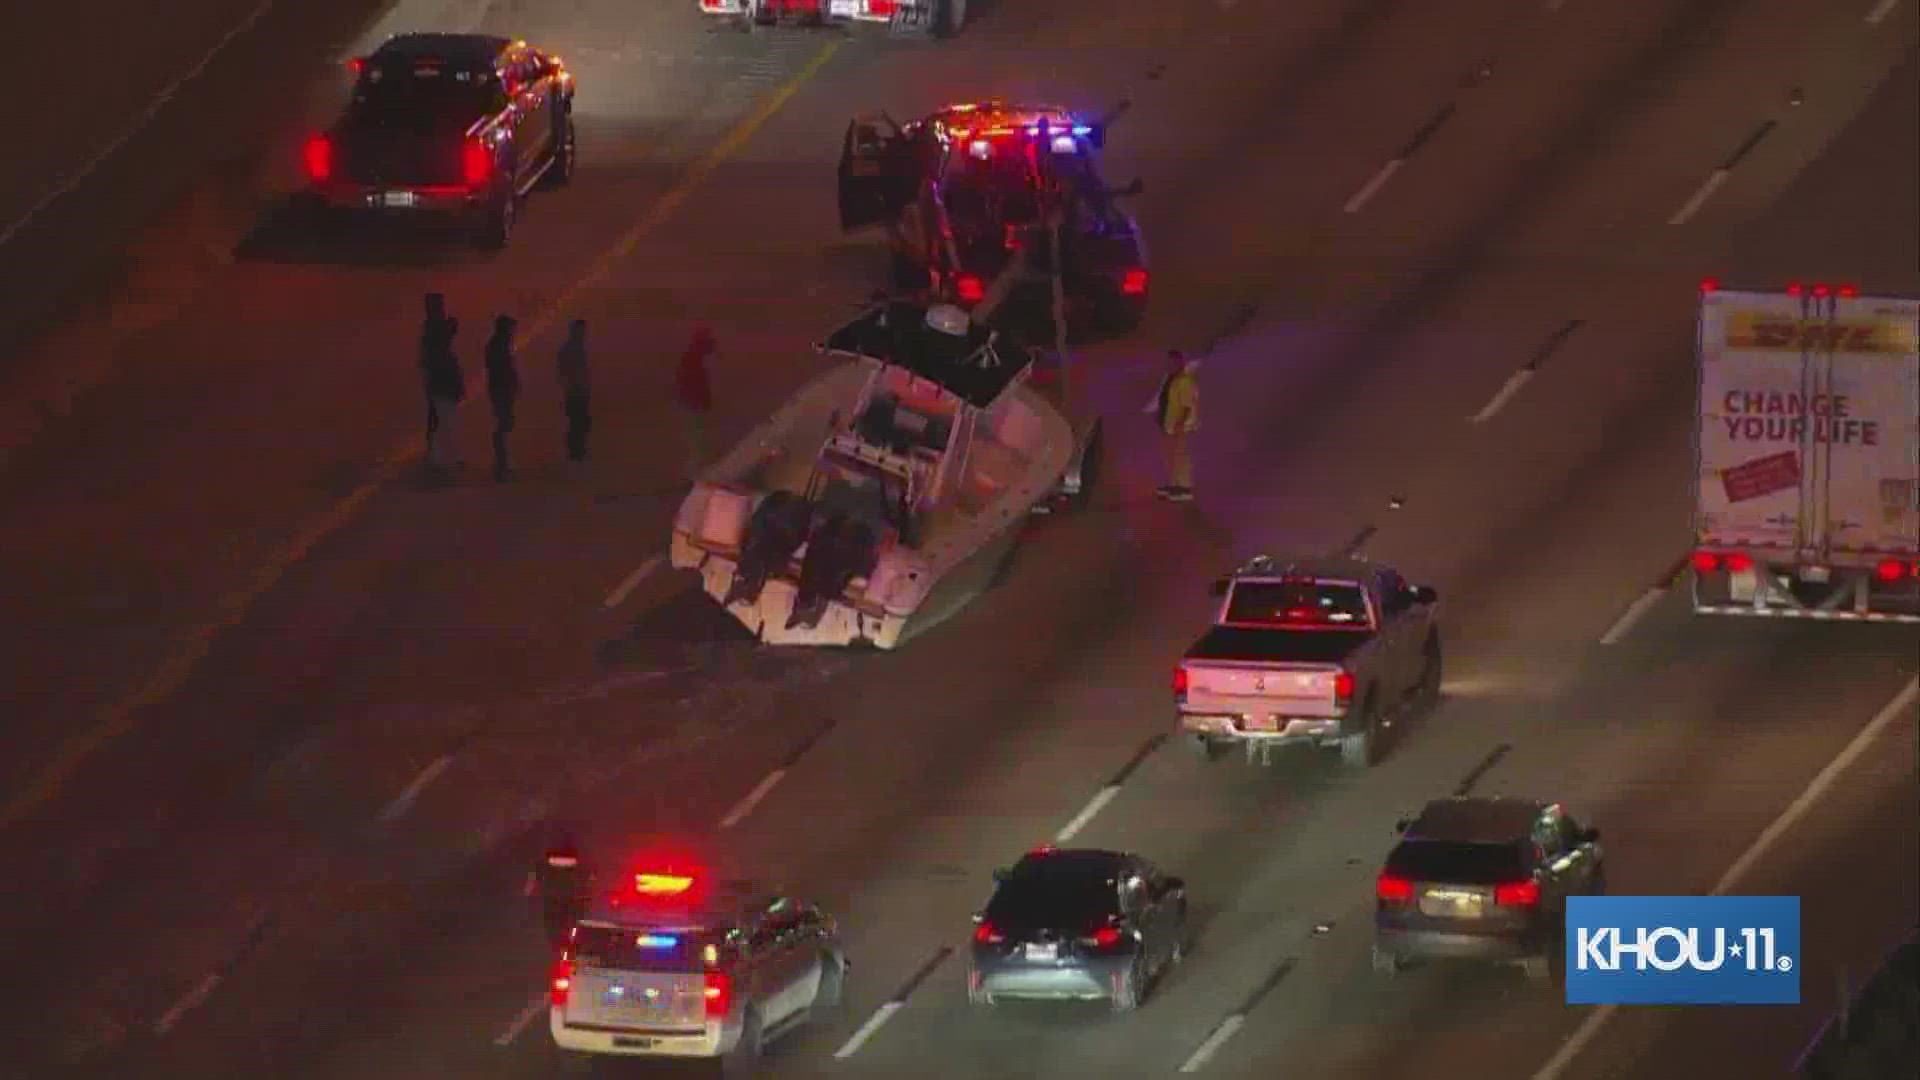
[(1261, 723), (399, 198), (633, 1042), (1452, 903), (1043, 952), (843, 7)]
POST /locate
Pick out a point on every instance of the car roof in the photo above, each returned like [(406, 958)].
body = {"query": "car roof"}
[(1344, 568), (1092, 860), (464, 50), (1481, 819)]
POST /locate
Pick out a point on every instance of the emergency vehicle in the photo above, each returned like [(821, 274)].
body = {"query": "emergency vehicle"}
[(942, 18), (1807, 455), (990, 197), (670, 963)]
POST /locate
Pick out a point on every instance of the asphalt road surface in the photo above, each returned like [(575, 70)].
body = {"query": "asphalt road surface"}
[(284, 715)]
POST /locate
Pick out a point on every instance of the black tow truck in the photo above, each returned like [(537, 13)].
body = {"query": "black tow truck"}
[(996, 198)]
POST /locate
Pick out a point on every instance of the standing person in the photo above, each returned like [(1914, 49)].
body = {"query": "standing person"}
[(563, 882), (693, 390), (576, 389), (1176, 409), (503, 390), (436, 351)]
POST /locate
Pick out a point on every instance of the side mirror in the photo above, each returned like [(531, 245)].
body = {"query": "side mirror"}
[(1218, 588), (1134, 188), (1000, 873), (1590, 836), (1424, 594), (1402, 825)]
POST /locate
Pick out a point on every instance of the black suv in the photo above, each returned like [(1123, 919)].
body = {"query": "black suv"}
[(1484, 879), (447, 124)]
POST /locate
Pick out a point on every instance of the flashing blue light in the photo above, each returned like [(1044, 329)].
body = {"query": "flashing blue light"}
[(1082, 129), (656, 941)]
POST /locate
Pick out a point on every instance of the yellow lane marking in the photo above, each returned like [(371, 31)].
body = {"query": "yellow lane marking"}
[(121, 716)]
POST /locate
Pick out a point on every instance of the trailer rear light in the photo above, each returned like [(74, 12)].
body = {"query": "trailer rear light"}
[(1134, 283), (1821, 290), (719, 994), (317, 156), (1517, 894), (1181, 680), (1708, 285), (882, 7), (1849, 291), (1794, 288), (1392, 889), (1705, 562), (1892, 570), (562, 983), (1739, 562), (969, 288), (1343, 687), (476, 163)]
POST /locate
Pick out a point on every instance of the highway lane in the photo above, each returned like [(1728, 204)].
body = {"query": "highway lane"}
[(1149, 629)]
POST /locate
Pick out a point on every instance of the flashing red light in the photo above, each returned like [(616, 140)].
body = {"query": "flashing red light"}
[(1043, 849), (476, 163), (1890, 570), (1343, 687), (1134, 283), (1705, 562), (562, 983), (1517, 894), (1106, 937), (1739, 562), (661, 884), (1794, 288), (878, 8), (1821, 290), (357, 65), (317, 156), (988, 934), (1013, 238), (1849, 291), (969, 288), (719, 994), (1181, 680), (1392, 889), (1708, 285)]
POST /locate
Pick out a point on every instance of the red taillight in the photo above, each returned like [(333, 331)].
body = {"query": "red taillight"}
[(1739, 562), (1013, 238), (1708, 285), (1794, 289), (357, 65), (1705, 562), (1105, 938), (476, 163), (987, 934), (562, 983), (1343, 687), (1849, 291), (1392, 889), (882, 7), (1820, 289), (1890, 570), (1517, 894), (970, 289), (317, 156), (719, 994), (1133, 283), (1181, 680)]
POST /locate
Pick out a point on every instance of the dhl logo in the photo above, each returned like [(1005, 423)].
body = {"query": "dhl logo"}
[(1772, 333)]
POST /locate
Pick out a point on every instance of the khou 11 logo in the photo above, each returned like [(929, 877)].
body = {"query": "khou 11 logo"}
[(1683, 950)]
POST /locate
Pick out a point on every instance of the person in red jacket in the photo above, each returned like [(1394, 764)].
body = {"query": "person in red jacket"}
[(693, 392)]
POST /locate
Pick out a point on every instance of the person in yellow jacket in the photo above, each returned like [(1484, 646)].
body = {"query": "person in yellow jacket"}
[(1176, 409)]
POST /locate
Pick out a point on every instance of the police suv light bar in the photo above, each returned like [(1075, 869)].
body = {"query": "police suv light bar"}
[(661, 884)]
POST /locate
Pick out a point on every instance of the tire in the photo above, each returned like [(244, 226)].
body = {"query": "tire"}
[(1426, 693), (1386, 963), (565, 153), (1361, 749), (497, 230), (1127, 998), (1204, 748), (744, 1059)]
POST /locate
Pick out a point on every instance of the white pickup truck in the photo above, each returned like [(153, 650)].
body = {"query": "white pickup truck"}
[(1324, 652)]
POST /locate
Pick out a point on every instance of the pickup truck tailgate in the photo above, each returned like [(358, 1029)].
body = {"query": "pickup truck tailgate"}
[(1285, 689)]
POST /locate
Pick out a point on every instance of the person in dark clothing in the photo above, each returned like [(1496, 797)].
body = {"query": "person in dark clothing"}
[(563, 881), (445, 384), (576, 389), (503, 390), (693, 391)]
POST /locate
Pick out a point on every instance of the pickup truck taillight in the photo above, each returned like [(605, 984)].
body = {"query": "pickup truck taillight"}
[(1180, 680), (317, 156), (1343, 688), (476, 163)]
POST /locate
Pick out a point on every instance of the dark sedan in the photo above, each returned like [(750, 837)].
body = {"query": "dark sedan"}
[(1077, 924)]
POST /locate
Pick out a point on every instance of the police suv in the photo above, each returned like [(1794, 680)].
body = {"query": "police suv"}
[(670, 965)]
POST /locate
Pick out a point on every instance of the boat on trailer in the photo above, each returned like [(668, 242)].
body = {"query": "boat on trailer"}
[(890, 490)]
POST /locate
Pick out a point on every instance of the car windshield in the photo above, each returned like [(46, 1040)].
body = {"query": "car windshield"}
[(627, 949), (1456, 863), (1055, 895), (408, 92), (1299, 605)]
